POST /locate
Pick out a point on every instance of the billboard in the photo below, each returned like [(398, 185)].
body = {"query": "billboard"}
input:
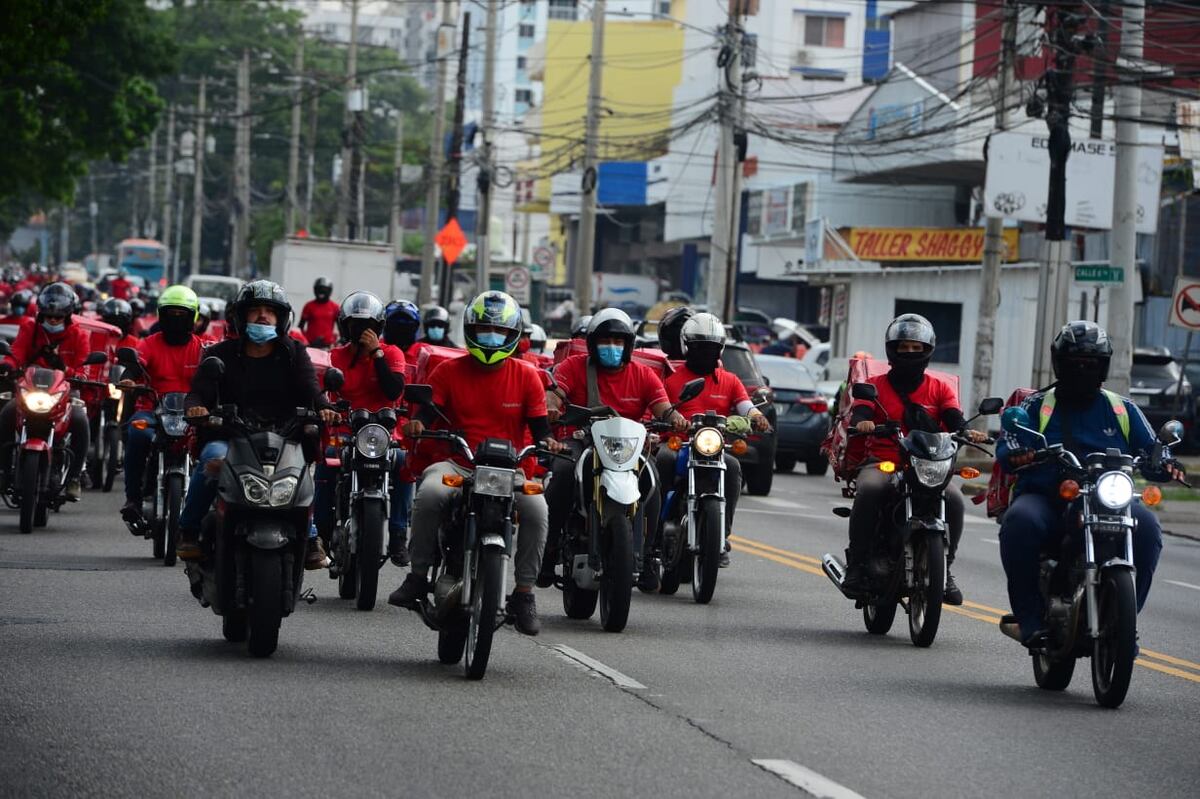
[(929, 245)]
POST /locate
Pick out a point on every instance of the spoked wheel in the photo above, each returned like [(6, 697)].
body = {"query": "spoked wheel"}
[(1052, 675), (112, 455), (929, 574), (1116, 647), (28, 489), (878, 618), (616, 586), (485, 605), (707, 561), (158, 527), (174, 492), (370, 551), (266, 602)]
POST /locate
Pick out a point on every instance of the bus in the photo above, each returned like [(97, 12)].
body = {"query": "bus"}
[(145, 258)]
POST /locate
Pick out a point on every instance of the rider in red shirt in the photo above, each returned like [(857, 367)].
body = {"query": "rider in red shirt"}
[(319, 315), (120, 287), (119, 314)]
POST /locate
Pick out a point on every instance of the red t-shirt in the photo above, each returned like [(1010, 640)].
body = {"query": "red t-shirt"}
[(120, 288), (129, 340), (722, 393), (318, 320), (488, 403), (168, 368), (935, 395), (630, 391), (362, 388)]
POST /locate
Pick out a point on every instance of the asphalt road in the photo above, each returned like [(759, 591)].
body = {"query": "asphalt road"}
[(114, 682)]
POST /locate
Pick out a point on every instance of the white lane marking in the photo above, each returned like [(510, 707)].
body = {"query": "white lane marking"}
[(619, 679), (775, 502), (1184, 585), (991, 540), (807, 780)]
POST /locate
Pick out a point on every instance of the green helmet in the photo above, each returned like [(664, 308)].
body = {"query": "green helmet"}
[(180, 297), (492, 309)]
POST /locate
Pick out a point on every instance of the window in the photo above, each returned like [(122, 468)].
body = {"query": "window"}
[(664, 8), (525, 31), (521, 62), (777, 212), (946, 318), (524, 96), (754, 207), (563, 9), (824, 31), (799, 207)]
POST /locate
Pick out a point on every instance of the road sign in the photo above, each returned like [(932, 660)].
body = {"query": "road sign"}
[(543, 257), (516, 283), (452, 240), (1090, 273), (1185, 305)]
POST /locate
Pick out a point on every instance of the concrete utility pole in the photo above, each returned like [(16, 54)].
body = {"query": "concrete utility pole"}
[(437, 155), (169, 178), (64, 234), (293, 186), (239, 261), (342, 227), (483, 251), (722, 259), (397, 232), (585, 248), (150, 224), (198, 181), (993, 239), (1127, 107), (134, 231), (454, 167), (314, 107), (93, 212)]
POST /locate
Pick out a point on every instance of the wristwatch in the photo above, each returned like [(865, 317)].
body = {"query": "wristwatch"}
[(378, 353)]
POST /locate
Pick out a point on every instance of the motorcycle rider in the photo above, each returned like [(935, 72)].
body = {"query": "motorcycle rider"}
[(919, 402), (319, 315), (436, 320), (168, 360), (702, 340), (121, 287), (1078, 413), (374, 372), (486, 394), (537, 339), (119, 314), (53, 342), (401, 325), (19, 303), (631, 389), (669, 328), (267, 375)]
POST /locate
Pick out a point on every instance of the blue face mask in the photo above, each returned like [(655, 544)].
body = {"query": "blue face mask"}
[(491, 339), (610, 355), (261, 334), (435, 333), (49, 328)]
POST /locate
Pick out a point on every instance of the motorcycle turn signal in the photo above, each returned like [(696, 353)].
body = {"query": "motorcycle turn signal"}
[(1068, 490), (1151, 495)]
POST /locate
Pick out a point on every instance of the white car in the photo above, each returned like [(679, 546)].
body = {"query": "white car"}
[(816, 360)]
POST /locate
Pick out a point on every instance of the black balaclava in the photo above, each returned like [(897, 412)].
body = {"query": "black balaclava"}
[(1079, 381), (908, 368), (702, 357), (400, 332), (176, 326)]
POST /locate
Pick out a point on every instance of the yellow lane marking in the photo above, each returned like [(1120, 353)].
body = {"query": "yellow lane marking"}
[(804, 564)]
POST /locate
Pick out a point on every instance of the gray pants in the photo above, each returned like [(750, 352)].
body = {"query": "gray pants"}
[(429, 510)]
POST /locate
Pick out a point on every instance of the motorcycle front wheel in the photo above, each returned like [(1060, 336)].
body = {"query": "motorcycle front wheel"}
[(708, 559), (371, 530), (485, 605), (266, 602), (1116, 647), (929, 576), (616, 585), (174, 490)]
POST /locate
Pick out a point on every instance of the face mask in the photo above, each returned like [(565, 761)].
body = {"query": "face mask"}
[(401, 336), (49, 328), (908, 369), (1078, 383), (176, 328), (261, 334), (439, 333), (702, 362), (491, 340), (610, 355)]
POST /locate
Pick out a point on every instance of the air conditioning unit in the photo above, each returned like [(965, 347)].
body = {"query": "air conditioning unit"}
[(800, 58)]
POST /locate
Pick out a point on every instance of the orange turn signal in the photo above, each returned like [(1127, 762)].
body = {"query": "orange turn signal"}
[(887, 467), (739, 447), (140, 424), (531, 488), (1068, 490), (674, 443), (452, 480), (1152, 495), (968, 473)]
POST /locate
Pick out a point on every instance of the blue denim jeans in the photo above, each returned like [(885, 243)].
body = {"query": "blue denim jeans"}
[(137, 450), (202, 489)]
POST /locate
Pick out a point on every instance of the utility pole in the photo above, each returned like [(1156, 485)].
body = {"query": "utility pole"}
[(93, 212), (169, 178), (149, 224), (360, 229), (1127, 107), (64, 234), (483, 250), (993, 238), (454, 168), (238, 260), (722, 259), (397, 232), (293, 190), (343, 225), (198, 181), (1099, 68), (585, 247), (133, 196), (314, 108), (437, 155)]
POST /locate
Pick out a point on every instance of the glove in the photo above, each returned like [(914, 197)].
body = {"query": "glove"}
[(738, 425)]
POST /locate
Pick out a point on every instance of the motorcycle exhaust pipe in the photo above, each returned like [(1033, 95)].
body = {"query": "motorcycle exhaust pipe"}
[(835, 571)]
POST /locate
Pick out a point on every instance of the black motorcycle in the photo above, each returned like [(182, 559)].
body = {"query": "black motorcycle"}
[(907, 562), (106, 450)]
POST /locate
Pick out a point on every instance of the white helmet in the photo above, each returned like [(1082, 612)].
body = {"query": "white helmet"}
[(537, 338), (702, 328)]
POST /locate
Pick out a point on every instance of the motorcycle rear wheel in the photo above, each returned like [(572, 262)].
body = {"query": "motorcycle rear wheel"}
[(112, 456), (707, 561), (485, 607), (266, 602), (371, 531), (672, 562), (347, 567), (452, 639), (878, 618), (233, 626), (1116, 647), (578, 603), (27, 481), (929, 573), (1052, 675), (616, 585)]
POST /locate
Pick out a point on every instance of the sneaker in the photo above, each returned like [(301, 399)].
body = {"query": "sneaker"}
[(954, 595), (414, 588), (546, 575), (188, 547), (648, 578), (315, 558), (131, 514), (523, 606), (74, 490), (398, 547)]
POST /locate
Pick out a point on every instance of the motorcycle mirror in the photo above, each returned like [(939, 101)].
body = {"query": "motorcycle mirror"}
[(1171, 432), (1013, 419), (95, 359), (864, 391), (691, 389), (418, 393), (334, 379), (127, 356), (5, 349), (990, 406), (212, 367)]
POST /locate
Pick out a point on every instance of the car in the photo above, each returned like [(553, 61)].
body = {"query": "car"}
[(758, 462), (802, 413), (816, 360), (1156, 388)]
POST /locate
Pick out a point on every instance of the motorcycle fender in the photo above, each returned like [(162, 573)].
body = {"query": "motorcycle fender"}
[(934, 525), (35, 444), (1116, 563), (492, 541), (267, 533), (620, 487)]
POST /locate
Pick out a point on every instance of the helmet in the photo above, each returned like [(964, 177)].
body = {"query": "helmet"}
[(496, 309), (909, 327), (137, 306), (204, 315), (117, 313), (537, 339), (360, 311), (581, 327), (322, 288), (180, 296), (262, 292), (402, 320), (702, 331), (436, 315), (57, 299), (20, 301), (669, 328), (610, 323), (1081, 344)]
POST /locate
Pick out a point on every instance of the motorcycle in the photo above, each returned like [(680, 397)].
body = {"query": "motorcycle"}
[(475, 544), (1086, 578), (254, 540), (106, 451), (907, 562), (362, 494)]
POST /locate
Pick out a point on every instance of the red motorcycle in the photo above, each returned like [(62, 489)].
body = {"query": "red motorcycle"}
[(41, 455)]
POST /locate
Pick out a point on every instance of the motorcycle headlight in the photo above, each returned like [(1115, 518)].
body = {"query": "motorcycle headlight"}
[(493, 482), (39, 401), (708, 441), (372, 441), (282, 491), (173, 425), (619, 448), (255, 489), (931, 473), (1114, 490)]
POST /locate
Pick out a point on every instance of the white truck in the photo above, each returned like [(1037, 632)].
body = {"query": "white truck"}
[(351, 265)]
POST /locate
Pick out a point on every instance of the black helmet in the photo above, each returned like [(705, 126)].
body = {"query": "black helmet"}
[(1081, 349), (402, 320), (361, 311), (57, 299), (909, 327), (262, 292), (610, 323), (117, 313), (138, 307), (322, 288), (581, 327), (669, 328), (20, 301)]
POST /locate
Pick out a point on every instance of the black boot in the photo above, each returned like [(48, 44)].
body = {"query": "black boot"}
[(398, 547), (953, 595), (855, 580)]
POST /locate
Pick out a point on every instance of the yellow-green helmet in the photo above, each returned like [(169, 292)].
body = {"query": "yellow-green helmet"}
[(492, 309), (180, 296)]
